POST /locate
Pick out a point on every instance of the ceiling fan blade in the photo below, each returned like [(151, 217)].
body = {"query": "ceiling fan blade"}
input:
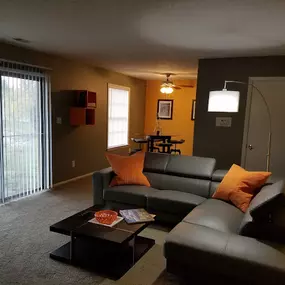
[(176, 87), (164, 73), (186, 86)]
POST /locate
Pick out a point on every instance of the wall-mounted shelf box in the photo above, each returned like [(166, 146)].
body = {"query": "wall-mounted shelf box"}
[(84, 111), (86, 99), (82, 116)]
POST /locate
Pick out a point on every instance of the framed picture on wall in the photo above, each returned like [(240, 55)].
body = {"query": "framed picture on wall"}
[(164, 109), (193, 112)]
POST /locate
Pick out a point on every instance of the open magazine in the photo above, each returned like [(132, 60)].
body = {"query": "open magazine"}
[(135, 216)]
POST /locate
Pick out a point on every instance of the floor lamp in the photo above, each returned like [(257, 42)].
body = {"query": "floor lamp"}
[(228, 101)]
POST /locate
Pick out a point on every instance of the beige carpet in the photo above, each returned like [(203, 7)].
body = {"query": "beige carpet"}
[(25, 241), (151, 267)]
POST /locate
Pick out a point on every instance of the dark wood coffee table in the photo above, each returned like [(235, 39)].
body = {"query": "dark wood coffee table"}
[(108, 251)]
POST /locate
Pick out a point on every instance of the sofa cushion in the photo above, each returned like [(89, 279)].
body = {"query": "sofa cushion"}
[(209, 250), (185, 239), (198, 187), (213, 188), (190, 166), (219, 175), (267, 200), (239, 186), (217, 215), (129, 169), (155, 162), (129, 194), (173, 201)]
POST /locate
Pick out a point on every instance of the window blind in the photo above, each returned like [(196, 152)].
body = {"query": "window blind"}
[(25, 152), (118, 116)]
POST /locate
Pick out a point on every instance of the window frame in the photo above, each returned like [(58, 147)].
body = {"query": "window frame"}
[(120, 87)]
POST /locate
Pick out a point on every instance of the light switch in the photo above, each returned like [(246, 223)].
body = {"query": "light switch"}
[(225, 122), (58, 120)]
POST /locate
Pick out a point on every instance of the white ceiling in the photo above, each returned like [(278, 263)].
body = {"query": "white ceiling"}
[(139, 37)]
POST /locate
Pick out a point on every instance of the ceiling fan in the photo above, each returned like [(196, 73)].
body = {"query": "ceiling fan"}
[(167, 86)]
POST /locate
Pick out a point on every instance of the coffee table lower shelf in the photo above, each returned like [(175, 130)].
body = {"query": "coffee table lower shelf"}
[(112, 261)]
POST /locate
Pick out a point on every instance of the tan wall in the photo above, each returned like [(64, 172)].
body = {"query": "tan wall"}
[(86, 144), (181, 124)]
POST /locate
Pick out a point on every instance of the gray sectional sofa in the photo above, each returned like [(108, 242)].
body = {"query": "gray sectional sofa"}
[(211, 237), (178, 185)]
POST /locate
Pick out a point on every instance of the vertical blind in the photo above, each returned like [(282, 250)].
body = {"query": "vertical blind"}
[(25, 153), (118, 116)]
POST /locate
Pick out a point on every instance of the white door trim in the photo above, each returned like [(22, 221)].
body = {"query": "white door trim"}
[(246, 122), (247, 112)]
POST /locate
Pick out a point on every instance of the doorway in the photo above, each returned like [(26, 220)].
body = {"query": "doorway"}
[(257, 126), (25, 131)]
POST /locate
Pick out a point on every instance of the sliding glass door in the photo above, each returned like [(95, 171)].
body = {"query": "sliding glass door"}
[(25, 131)]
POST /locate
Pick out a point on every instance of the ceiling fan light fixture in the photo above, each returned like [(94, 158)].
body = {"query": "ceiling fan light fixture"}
[(169, 90), (166, 89)]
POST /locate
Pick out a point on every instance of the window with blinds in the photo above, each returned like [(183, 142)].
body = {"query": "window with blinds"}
[(25, 153), (118, 116)]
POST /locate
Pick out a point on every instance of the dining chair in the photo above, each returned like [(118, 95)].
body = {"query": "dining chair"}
[(176, 142), (140, 142), (165, 147)]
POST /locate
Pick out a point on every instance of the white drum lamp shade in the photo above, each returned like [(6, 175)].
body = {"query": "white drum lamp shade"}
[(223, 101)]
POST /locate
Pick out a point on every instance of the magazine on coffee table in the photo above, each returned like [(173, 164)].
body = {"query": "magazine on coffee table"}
[(94, 221), (135, 216)]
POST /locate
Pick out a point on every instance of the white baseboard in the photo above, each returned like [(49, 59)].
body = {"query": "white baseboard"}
[(72, 179)]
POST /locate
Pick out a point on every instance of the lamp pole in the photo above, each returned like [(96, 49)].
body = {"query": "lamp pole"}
[(268, 155)]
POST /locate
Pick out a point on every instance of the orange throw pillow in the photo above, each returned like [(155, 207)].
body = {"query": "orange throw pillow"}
[(129, 169), (239, 185)]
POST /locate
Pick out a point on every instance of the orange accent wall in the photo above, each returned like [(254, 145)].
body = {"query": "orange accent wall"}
[(181, 123)]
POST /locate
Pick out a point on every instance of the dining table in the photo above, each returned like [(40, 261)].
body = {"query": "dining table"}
[(152, 138)]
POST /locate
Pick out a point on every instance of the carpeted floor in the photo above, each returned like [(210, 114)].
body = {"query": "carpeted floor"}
[(25, 241)]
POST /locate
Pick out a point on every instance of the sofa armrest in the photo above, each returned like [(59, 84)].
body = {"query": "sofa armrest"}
[(219, 174), (219, 252), (100, 180)]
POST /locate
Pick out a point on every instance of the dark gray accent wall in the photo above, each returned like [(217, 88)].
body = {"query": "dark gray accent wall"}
[(225, 144), (85, 144)]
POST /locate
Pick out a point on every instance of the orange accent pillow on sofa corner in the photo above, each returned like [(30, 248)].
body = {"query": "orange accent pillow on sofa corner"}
[(239, 186), (129, 169)]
